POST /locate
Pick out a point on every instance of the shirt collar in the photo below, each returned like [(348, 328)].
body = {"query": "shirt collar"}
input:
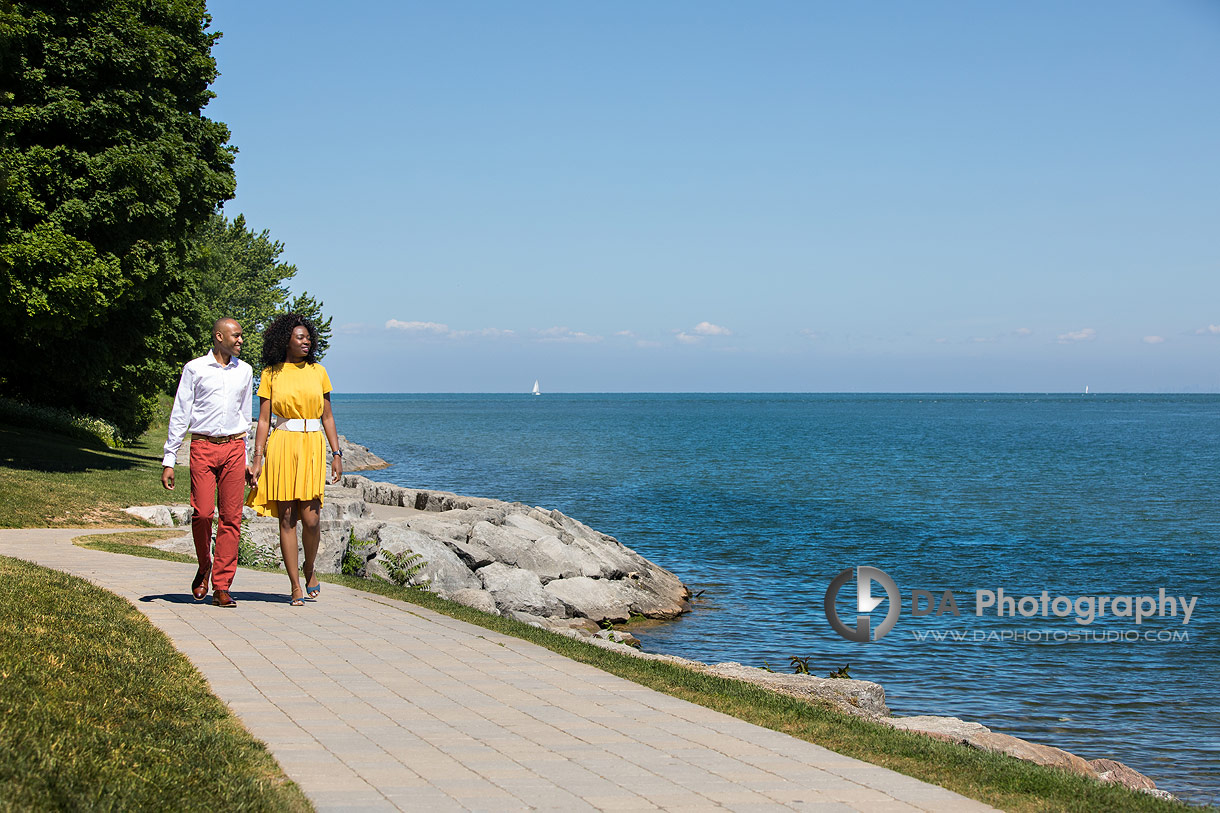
[(211, 357)]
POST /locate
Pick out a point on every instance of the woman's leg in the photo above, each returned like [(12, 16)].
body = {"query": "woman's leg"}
[(289, 514), (311, 533)]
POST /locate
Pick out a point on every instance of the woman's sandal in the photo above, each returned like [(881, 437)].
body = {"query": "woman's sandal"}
[(296, 601), (312, 593)]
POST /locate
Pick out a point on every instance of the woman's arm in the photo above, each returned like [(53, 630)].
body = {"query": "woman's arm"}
[(332, 437), (255, 468)]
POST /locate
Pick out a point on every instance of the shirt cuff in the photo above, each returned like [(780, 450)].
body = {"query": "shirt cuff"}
[(169, 460)]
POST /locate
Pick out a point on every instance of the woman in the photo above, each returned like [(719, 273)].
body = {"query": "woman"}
[(289, 486)]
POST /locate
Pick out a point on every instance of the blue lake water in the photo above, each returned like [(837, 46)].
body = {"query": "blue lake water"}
[(759, 501)]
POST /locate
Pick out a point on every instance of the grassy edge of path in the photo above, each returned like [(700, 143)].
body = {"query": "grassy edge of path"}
[(999, 780), (98, 711)]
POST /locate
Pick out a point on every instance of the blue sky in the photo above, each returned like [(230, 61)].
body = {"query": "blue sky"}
[(715, 196)]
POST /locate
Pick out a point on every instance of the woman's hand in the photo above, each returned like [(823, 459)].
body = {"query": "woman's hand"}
[(253, 470), (336, 468)]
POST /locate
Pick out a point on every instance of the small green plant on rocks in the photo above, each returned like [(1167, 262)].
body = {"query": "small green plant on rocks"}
[(800, 666), (841, 672), (355, 558), (251, 555), (402, 568)]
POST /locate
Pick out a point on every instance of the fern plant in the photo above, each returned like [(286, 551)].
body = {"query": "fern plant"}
[(402, 568)]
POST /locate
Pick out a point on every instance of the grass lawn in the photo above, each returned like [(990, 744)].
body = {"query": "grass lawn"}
[(49, 480), (1006, 783), (98, 711)]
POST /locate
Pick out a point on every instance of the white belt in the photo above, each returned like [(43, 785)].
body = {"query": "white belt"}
[(300, 425)]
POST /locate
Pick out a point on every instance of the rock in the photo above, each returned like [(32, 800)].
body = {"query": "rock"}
[(619, 637), (521, 590), (480, 532), (342, 508), (952, 729), (583, 626), (1112, 771), (477, 599), (444, 571), (155, 514), (546, 556), (861, 698), (595, 599), (1032, 752), (527, 618), (357, 457), (949, 729)]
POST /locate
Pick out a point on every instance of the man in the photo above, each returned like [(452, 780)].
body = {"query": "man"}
[(213, 402)]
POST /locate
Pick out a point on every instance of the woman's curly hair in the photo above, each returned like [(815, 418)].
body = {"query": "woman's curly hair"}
[(277, 334)]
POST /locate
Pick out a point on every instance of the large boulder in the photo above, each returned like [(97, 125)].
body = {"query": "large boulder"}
[(595, 599), (546, 555), (444, 572), (357, 457), (519, 590)]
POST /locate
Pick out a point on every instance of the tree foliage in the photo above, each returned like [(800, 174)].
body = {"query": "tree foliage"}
[(107, 166), (239, 274)]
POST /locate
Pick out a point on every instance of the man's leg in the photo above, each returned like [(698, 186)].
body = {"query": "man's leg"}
[(203, 501), (230, 483)]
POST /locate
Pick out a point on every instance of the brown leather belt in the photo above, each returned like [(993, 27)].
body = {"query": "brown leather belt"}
[(211, 439)]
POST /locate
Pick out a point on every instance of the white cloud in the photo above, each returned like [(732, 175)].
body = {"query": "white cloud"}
[(1210, 330), (418, 327), (700, 332), (942, 340), (1023, 331), (647, 343), (708, 329), (446, 332), (564, 334), (1088, 334), (1154, 339), (812, 335), (981, 340)]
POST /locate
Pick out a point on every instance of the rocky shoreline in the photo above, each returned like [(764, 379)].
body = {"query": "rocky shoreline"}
[(544, 568)]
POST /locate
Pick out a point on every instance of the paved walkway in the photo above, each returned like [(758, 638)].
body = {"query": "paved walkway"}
[(373, 704)]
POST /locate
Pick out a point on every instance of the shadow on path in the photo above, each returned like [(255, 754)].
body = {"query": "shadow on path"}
[(238, 596)]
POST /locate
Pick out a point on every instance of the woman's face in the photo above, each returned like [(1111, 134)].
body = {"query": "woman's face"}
[(298, 344)]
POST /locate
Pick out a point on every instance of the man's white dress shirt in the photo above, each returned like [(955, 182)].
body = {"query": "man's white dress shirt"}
[(213, 399)]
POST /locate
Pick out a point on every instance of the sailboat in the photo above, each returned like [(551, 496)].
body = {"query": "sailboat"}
[(536, 390)]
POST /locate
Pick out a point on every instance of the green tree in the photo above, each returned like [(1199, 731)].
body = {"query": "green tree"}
[(238, 273), (107, 166)]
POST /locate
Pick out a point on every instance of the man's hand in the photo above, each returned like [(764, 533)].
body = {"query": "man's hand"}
[(167, 478)]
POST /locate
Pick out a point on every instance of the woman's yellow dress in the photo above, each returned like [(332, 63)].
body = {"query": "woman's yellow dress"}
[(294, 466)]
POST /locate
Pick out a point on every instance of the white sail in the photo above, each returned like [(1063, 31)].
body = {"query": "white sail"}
[(536, 390)]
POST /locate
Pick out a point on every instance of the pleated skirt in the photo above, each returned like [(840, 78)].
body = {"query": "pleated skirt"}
[(294, 469)]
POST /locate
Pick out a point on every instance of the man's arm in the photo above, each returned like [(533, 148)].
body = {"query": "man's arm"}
[(179, 422)]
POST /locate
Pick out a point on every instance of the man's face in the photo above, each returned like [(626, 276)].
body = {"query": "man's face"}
[(229, 339)]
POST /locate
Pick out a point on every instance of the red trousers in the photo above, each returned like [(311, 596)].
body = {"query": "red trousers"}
[(218, 468)]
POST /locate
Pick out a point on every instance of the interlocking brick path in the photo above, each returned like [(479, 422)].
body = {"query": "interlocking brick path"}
[(374, 704)]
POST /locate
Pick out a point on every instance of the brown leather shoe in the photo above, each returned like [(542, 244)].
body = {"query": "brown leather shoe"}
[(221, 598), (199, 587)]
